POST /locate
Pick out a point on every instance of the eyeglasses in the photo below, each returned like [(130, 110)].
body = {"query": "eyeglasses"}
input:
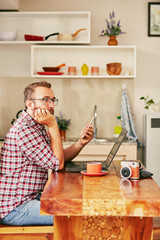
[(47, 100)]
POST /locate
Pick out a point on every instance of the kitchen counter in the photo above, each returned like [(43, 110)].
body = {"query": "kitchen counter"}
[(98, 151), (100, 141)]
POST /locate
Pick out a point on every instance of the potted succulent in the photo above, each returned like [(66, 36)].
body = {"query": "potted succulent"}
[(63, 125), (113, 29)]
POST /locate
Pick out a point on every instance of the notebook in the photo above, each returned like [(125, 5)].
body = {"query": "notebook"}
[(79, 166)]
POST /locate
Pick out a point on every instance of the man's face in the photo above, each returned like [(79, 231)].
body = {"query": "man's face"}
[(43, 92)]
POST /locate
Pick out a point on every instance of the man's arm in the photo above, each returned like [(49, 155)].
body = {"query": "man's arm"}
[(86, 136), (46, 118)]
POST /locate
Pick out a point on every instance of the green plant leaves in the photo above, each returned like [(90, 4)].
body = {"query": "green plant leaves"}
[(147, 101)]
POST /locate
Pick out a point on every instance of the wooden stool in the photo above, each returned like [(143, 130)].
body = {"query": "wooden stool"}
[(26, 232)]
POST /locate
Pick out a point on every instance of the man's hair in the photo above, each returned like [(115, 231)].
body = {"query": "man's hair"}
[(30, 89)]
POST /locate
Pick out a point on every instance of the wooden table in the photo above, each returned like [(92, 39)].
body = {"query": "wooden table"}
[(101, 208)]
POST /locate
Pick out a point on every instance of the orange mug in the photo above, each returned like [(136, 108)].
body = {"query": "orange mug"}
[(94, 167), (95, 71), (72, 70)]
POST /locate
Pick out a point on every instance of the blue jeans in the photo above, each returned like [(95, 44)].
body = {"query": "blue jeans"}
[(28, 213)]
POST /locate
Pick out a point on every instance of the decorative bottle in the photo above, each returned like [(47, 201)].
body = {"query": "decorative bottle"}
[(118, 127)]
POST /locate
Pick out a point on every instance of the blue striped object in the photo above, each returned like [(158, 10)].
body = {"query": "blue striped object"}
[(127, 117)]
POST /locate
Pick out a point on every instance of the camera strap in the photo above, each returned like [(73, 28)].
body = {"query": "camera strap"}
[(145, 174)]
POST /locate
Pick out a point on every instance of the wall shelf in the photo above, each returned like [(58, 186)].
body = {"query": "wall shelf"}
[(15, 55), (50, 56), (83, 77), (18, 57), (45, 23)]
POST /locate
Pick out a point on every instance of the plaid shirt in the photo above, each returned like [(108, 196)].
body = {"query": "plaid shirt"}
[(25, 159)]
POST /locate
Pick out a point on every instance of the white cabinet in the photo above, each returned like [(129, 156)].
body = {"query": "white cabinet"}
[(51, 56), (151, 144), (45, 23)]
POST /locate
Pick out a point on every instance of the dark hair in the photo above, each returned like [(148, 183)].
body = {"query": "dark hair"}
[(30, 89)]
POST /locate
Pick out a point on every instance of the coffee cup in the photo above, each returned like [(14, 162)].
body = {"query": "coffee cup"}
[(94, 167), (95, 71), (72, 70)]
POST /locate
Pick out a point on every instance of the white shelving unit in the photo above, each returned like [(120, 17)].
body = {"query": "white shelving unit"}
[(15, 55), (20, 56), (51, 56), (45, 23)]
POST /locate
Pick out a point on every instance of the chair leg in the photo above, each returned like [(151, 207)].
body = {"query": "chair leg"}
[(50, 236)]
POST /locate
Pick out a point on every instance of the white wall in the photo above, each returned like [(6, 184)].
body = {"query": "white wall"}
[(77, 97)]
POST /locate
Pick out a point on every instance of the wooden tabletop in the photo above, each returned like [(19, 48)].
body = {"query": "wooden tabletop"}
[(77, 195)]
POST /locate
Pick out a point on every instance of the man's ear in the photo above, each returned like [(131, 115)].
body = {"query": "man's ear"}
[(29, 104)]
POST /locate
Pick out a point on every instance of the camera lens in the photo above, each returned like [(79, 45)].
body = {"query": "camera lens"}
[(126, 172)]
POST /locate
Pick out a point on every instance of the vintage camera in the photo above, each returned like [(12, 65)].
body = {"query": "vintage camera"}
[(130, 169)]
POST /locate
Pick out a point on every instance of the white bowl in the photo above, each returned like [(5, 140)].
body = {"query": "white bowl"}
[(8, 35)]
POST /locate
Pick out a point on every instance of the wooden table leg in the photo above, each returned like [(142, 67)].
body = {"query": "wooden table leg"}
[(68, 228), (136, 228), (85, 228)]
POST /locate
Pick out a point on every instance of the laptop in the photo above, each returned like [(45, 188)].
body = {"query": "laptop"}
[(79, 166)]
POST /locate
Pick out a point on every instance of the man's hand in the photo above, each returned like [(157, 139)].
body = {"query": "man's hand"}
[(44, 117), (86, 134)]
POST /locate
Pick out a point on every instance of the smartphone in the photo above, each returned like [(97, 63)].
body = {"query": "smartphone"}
[(90, 123)]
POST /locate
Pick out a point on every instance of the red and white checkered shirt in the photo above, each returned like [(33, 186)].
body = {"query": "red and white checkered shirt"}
[(25, 158)]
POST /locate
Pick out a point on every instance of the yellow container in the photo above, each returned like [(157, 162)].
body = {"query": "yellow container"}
[(118, 128), (84, 69)]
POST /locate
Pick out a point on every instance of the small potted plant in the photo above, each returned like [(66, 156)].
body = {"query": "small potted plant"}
[(150, 104), (63, 125), (147, 101), (113, 29)]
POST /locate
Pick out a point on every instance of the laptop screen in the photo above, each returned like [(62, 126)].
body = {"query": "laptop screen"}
[(115, 147), (79, 166)]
